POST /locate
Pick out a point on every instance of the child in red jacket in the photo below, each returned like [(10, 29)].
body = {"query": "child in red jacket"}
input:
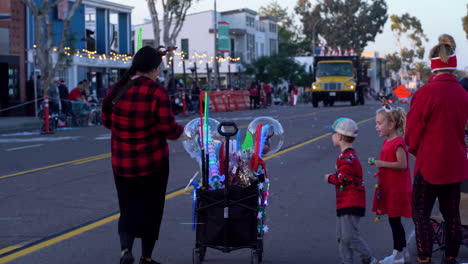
[(350, 194), (393, 192)]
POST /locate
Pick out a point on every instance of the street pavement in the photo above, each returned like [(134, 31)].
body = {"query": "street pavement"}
[(57, 194)]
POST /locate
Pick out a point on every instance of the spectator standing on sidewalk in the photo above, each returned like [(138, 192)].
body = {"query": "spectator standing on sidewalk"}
[(438, 108), (195, 91), (54, 96), (253, 94), (63, 91), (267, 90), (138, 112)]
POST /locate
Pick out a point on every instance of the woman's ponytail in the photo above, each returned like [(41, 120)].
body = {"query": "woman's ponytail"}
[(400, 120)]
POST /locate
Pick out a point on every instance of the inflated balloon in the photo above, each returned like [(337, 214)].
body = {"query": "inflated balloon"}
[(192, 143), (272, 134)]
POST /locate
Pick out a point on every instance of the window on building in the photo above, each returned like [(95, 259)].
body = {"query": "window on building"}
[(233, 49), (185, 48), (262, 49), (250, 47), (148, 42), (90, 26), (256, 48), (114, 32), (90, 17), (250, 21), (273, 46), (273, 28)]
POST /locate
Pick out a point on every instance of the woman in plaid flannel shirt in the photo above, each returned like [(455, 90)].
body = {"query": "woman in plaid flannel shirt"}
[(141, 121)]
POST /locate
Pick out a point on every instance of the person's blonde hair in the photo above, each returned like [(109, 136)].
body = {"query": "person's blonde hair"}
[(444, 49), (396, 115)]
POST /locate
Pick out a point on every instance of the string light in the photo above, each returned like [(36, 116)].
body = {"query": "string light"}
[(201, 58)]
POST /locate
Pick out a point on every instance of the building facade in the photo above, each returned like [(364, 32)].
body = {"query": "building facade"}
[(99, 43), (12, 55), (250, 37), (99, 39)]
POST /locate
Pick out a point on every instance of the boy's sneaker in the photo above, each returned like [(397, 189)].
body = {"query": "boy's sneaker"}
[(372, 260), (395, 258)]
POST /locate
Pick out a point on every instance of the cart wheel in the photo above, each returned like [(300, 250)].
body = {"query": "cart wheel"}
[(196, 257), (202, 253), (255, 257)]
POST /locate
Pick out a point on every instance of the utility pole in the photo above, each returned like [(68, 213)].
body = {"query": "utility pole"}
[(216, 70)]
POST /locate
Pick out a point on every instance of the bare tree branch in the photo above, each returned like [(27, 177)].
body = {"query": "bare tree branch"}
[(181, 20)]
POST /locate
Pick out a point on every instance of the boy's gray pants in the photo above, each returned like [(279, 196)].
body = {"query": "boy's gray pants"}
[(350, 240)]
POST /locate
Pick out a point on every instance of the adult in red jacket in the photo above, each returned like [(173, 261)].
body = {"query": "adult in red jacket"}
[(435, 136), (138, 112), (253, 95)]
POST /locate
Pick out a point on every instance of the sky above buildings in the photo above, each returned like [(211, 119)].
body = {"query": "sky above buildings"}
[(436, 16)]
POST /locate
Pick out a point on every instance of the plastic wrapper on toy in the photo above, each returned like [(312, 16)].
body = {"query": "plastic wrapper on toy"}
[(193, 140), (271, 135)]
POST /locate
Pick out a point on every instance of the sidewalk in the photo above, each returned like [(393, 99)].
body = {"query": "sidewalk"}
[(19, 123)]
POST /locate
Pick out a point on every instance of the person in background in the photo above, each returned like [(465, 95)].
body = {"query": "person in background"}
[(54, 96), (63, 91)]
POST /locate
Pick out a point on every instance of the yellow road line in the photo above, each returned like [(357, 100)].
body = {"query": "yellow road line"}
[(70, 234), (116, 216), (93, 159), (8, 249), (50, 167)]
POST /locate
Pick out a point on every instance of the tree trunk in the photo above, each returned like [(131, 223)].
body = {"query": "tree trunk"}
[(155, 21), (44, 48)]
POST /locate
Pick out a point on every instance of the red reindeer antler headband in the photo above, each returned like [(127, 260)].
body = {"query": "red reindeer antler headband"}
[(164, 50)]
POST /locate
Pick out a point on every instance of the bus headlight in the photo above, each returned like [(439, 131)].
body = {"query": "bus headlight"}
[(350, 87)]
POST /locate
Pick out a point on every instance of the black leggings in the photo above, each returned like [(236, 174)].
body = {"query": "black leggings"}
[(424, 196), (398, 232), (253, 102), (147, 244)]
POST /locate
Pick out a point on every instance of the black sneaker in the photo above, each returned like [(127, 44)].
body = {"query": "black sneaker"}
[(127, 258), (144, 261)]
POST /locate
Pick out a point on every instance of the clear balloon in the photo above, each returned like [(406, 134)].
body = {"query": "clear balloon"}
[(192, 143), (272, 131)]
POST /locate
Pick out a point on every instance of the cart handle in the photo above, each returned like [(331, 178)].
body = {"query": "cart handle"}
[(227, 129)]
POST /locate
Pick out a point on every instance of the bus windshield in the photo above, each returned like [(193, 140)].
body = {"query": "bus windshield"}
[(334, 69)]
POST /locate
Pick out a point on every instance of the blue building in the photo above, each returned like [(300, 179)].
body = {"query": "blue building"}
[(99, 41)]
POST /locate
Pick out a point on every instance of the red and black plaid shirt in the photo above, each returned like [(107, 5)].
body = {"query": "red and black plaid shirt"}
[(140, 121)]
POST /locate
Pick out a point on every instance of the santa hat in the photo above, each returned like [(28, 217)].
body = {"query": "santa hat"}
[(438, 65)]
